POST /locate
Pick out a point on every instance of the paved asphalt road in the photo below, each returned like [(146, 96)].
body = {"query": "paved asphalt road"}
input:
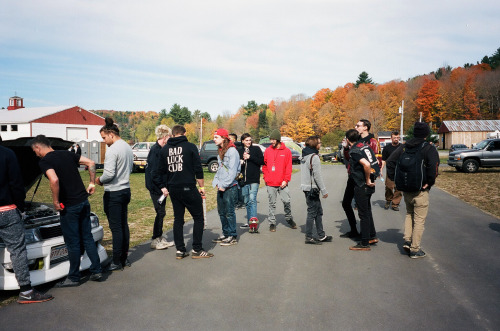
[(273, 281)]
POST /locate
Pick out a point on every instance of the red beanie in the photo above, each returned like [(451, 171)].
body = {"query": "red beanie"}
[(222, 132)]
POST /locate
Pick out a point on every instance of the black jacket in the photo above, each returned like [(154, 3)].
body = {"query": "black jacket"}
[(154, 160), (430, 156), (251, 167), (11, 180), (179, 164)]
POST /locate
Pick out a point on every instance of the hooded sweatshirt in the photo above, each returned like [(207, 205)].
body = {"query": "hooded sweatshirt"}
[(179, 164), (277, 165), (430, 155), (305, 173)]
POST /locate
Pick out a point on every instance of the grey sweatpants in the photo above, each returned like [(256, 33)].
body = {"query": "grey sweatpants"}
[(272, 193), (12, 234)]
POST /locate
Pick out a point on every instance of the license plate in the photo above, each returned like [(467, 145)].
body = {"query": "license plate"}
[(58, 252)]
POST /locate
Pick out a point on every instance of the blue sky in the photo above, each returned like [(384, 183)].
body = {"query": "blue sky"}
[(217, 55)]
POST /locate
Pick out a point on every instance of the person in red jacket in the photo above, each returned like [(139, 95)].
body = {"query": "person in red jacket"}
[(363, 127), (277, 170)]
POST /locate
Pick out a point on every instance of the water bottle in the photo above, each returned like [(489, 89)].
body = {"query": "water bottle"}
[(161, 199)]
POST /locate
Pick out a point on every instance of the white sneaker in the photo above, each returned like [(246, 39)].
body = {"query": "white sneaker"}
[(168, 243), (229, 241), (158, 243)]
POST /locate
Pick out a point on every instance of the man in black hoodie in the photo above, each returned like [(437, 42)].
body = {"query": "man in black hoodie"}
[(179, 170), (417, 203), (163, 133)]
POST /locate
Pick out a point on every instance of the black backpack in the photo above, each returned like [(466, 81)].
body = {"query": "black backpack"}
[(410, 169)]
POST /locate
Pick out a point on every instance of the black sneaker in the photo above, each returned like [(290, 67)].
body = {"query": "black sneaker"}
[(67, 283), (292, 224), (417, 255), (407, 246), (360, 247), (180, 255), (326, 239), (219, 240), (387, 205), (96, 277), (349, 234), (395, 208), (272, 227), (201, 254), (244, 226), (313, 241), (127, 263), (115, 267), (229, 241), (34, 296)]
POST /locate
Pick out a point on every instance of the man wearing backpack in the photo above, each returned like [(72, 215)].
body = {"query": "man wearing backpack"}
[(414, 168), (363, 170)]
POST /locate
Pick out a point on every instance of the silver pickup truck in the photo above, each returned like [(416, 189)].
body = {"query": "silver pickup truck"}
[(141, 151), (485, 154)]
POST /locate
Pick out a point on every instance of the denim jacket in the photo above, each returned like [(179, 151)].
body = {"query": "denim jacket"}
[(228, 169)]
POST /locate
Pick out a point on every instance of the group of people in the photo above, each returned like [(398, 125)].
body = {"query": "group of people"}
[(174, 169)]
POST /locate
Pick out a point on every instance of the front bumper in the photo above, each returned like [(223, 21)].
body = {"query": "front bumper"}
[(455, 163), (45, 272), (139, 164)]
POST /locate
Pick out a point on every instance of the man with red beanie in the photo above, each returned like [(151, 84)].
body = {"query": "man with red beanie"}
[(277, 170)]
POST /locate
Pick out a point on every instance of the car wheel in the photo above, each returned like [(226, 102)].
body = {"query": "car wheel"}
[(470, 166), (213, 166)]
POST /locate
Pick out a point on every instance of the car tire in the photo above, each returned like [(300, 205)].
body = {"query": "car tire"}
[(213, 166), (470, 166)]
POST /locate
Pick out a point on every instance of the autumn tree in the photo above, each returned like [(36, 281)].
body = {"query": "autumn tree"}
[(427, 98)]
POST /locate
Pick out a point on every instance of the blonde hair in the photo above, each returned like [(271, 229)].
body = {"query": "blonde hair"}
[(162, 131)]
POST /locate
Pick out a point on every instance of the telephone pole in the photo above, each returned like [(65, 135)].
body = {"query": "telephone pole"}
[(401, 111)]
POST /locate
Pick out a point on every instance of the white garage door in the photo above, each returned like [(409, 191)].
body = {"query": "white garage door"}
[(76, 134)]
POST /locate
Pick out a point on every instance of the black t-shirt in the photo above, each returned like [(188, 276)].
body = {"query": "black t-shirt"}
[(388, 149), (71, 188)]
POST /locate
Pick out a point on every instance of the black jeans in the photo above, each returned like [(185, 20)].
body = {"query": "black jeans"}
[(116, 209), (190, 198), (347, 204), (160, 215), (314, 216), (363, 195)]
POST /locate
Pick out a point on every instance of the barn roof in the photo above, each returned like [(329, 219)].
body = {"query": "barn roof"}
[(469, 126), (26, 115)]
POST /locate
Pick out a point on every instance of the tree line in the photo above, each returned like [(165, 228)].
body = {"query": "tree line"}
[(468, 92)]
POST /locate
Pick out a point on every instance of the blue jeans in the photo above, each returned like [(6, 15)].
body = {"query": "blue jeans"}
[(225, 207), (116, 209), (77, 232), (249, 192)]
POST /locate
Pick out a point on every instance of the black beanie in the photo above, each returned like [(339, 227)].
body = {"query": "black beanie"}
[(421, 130)]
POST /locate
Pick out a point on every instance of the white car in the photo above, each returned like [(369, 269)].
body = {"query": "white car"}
[(47, 252)]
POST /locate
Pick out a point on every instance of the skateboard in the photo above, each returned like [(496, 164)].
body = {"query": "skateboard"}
[(254, 225)]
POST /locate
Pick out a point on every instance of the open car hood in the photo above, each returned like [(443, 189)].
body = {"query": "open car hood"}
[(27, 158)]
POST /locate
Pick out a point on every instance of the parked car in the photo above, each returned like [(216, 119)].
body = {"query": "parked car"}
[(456, 147), (141, 151), (485, 154), (208, 155), (47, 252)]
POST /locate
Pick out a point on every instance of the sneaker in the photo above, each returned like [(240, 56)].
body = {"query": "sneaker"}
[(313, 241), (373, 241), (244, 226), (180, 255), (67, 283), (326, 239), (115, 267), (407, 246), (219, 240), (360, 247), (166, 242), (127, 263), (158, 244), (201, 254), (387, 205), (96, 277), (34, 296), (417, 255), (272, 227), (349, 234), (395, 208), (292, 224), (229, 241)]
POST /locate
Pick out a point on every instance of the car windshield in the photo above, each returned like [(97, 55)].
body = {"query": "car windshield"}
[(481, 144)]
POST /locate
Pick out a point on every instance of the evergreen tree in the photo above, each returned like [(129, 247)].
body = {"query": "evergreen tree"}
[(181, 115), (363, 78)]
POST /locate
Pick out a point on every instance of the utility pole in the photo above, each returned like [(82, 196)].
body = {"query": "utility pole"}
[(201, 130), (401, 111)]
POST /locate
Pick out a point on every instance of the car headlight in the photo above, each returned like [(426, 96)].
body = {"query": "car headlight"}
[(457, 157), (94, 221), (32, 235)]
